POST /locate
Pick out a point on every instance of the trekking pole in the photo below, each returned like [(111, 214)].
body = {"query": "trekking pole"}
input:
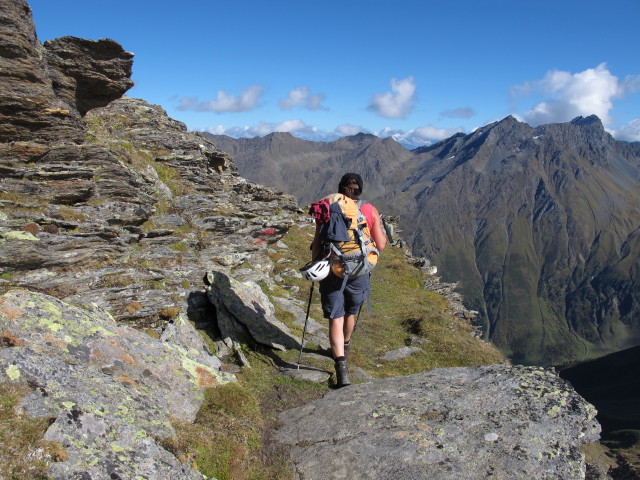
[(355, 324), (304, 330)]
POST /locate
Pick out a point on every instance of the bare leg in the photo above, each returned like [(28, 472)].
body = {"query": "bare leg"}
[(349, 324), (336, 336)]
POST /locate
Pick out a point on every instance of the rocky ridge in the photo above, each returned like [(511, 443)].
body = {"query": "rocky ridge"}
[(121, 207)]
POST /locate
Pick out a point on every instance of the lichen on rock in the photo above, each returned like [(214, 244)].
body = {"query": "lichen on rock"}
[(102, 381), (494, 421)]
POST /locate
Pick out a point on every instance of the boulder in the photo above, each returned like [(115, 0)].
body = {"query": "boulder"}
[(494, 421), (111, 389), (45, 90), (245, 313), (86, 73)]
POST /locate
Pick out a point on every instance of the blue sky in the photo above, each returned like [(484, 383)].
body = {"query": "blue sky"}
[(419, 71)]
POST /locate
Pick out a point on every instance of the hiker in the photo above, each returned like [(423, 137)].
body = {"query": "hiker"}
[(343, 297)]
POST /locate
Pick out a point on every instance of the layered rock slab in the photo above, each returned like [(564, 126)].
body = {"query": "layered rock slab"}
[(492, 421)]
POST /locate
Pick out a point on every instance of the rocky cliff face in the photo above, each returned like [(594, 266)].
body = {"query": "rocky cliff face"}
[(539, 225), (110, 210), (114, 203)]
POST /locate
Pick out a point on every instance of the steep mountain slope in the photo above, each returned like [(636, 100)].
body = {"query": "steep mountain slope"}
[(539, 225)]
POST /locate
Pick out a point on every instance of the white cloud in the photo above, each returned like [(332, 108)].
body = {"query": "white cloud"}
[(348, 130), (418, 137), (629, 132), (398, 102), (466, 112), (225, 102), (569, 95), (434, 133), (295, 126), (302, 97), (410, 139)]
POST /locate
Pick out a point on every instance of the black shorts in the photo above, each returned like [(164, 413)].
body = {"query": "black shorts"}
[(347, 302)]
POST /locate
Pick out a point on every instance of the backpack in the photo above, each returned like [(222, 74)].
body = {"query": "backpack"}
[(345, 236)]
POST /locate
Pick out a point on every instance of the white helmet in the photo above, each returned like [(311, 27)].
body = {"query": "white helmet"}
[(316, 270)]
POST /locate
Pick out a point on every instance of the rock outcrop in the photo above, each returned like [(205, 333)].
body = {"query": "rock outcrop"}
[(88, 74), (121, 207), (46, 89), (110, 390), (473, 423)]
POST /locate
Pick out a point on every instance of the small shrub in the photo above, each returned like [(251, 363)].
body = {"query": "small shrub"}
[(170, 312)]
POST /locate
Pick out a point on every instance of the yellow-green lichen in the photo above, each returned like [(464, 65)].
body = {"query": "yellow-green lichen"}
[(55, 327), (193, 368), (20, 235), (68, 404), (554, 411), (116, 448), (163, 423), (13, 372), (95, 411)]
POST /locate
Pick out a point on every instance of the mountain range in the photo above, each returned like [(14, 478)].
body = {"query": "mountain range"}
[(540, 226)]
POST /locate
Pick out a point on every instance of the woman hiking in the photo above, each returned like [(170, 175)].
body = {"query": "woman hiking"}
[(347, 285)]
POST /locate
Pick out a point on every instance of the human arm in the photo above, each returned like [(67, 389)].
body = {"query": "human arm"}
[(315, 246), (376, 230)]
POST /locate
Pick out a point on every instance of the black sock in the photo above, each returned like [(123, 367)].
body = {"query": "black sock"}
[(341, 359)]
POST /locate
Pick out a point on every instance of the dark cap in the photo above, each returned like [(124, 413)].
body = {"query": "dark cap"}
[(346, 178)]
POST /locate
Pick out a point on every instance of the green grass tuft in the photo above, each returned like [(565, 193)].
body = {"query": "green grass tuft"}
[(25, 455)]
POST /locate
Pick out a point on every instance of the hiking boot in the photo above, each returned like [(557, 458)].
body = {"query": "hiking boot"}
[(342, 374), (347, 345)]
